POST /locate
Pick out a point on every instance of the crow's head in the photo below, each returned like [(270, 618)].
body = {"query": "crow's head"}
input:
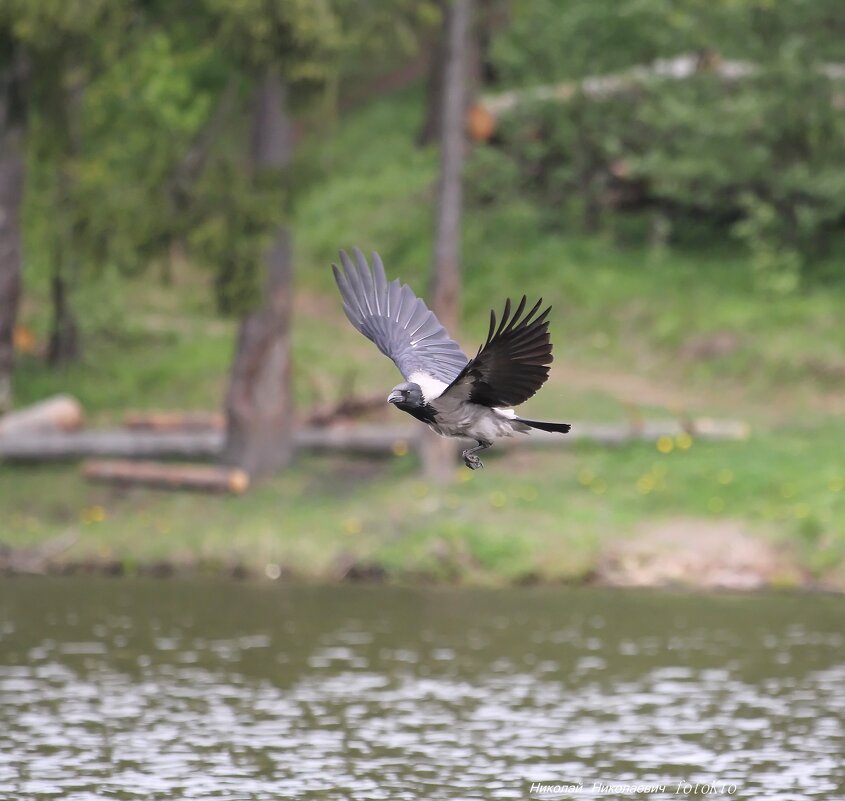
[(406, 396)]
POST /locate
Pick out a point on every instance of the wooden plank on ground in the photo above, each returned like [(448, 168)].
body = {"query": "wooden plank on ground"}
[(159, 420), (166, 475)]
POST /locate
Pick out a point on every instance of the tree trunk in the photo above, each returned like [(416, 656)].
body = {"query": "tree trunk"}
[(478, 68), (434, 84), (11, 196), (259, 410), (438, 454), (63, 347)]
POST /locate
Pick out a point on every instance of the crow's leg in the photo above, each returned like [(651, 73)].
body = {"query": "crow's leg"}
[(470, 459)]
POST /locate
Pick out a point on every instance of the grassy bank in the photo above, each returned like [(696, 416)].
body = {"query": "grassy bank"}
[(656, 330)]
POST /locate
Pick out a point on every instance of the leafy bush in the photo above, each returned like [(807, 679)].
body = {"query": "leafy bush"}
[(766, 155), (759, 157)]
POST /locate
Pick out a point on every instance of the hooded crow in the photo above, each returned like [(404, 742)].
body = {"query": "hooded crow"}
[(453, 395)]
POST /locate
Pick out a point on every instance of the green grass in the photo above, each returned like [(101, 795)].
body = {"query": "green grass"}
[(625, 324), (541, 513)]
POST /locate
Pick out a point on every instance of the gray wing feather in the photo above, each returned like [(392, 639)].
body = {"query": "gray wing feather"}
[(396, 320)]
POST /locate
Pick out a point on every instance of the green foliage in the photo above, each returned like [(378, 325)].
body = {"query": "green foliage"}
[(490, 174), (122, 93), (49, 27), (777, 268), (236, 213), (770, 151), (124, 200), (235, 206), (568, 154), (387, 32), (549, 41), (760, 158), (297, 37)]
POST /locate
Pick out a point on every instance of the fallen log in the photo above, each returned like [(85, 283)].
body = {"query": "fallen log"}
[(203, 478), (58, 413), (157, 420), (484, 116), (364, 439), (599, 86), (119, 442)]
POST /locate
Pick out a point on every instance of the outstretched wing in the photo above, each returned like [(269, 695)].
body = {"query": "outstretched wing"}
[(399, 323), (512, 364)]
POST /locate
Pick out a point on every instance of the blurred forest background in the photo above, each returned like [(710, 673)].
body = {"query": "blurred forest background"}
[(176, 177)]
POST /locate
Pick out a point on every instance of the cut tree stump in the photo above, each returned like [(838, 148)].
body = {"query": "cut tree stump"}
[(163, 475), (58, 413)]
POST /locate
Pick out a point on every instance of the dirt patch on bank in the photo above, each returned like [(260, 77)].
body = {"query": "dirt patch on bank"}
[(694, 552)]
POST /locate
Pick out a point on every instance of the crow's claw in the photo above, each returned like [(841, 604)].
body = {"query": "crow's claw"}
[(472, 461)]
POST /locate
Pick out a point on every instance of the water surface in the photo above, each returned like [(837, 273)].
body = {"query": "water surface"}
[(124, 689)]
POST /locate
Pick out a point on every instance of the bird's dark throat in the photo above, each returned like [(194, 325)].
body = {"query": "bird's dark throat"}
[(424, 412)]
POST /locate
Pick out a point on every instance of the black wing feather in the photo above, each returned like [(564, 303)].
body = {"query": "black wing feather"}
[(514, 361)]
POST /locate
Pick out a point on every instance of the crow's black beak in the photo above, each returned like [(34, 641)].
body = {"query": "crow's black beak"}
[(394, 397)]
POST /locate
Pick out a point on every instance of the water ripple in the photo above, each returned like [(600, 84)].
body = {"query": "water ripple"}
[(378, 714)]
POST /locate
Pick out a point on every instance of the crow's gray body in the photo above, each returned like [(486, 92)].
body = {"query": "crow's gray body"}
[(455, 396), (474, 421)]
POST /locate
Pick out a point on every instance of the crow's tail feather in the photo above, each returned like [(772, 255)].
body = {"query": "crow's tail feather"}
[(561, 428)]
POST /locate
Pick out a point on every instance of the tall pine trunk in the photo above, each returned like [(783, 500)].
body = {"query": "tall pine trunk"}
[(476, 55), (64, 344), (259, 409), (439, 453), (11, 197), (430, 129)]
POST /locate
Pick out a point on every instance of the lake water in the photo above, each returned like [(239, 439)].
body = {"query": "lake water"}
[(125, 689)]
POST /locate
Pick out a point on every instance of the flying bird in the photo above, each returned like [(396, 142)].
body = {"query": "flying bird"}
[(454, 395)]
